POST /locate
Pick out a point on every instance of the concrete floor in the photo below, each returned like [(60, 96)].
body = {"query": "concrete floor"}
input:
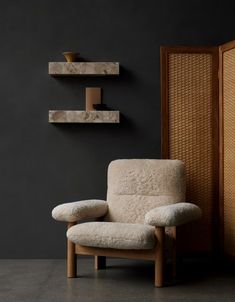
[(123, 280)]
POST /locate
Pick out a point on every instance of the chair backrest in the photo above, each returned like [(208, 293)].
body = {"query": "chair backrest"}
[(136, 186)]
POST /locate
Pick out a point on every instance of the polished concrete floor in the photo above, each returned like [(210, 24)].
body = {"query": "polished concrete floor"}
[(123, 280)]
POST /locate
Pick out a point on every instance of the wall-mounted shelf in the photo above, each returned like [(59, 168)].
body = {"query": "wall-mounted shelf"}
[(74, 116), (83, 68)]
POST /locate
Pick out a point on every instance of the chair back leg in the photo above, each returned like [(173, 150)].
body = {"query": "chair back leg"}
[(159, 260), (174, 252), (100, 262)]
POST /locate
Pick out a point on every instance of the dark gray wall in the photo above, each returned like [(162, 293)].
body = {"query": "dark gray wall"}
[(43, 164)]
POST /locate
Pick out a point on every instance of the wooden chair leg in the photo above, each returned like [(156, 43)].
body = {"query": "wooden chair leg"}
[(174, 252), (71, 257), (100, 262), (159, 261)]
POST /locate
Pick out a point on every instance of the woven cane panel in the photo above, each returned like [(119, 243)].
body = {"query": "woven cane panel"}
[(190, 138), (229, 150)]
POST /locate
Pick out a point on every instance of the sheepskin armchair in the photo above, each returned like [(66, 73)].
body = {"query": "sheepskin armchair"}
[(144, 197)]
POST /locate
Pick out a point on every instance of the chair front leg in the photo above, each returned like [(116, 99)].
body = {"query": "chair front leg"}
[(71, 256), (159, 260)]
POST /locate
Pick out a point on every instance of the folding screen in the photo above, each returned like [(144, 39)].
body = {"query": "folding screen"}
[(227, 146), (189, 87)]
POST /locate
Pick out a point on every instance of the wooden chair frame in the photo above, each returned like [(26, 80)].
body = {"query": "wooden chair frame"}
[(156, 254)]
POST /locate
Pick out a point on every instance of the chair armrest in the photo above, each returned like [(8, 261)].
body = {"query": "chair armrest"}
[(173, 215), (80, 210)]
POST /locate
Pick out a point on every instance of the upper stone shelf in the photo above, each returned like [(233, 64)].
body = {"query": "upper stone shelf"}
[(83, 68)]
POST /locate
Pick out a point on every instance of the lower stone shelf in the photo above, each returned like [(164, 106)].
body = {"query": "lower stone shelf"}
[(74, 116)]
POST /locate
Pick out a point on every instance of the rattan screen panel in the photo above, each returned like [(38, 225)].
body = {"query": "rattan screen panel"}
[(190, 138), (229, 150)]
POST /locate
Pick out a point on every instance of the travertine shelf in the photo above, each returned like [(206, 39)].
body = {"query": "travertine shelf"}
[(83, 68), (74, 116)]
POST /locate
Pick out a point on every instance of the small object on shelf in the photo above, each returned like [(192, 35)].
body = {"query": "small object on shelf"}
[(101, 107), (93, 96), (74, 116), (70, 56)]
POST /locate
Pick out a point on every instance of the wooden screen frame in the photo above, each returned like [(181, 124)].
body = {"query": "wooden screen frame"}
[(214, 51), (222, 48)]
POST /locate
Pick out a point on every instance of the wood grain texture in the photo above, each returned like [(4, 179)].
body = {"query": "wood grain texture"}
[(93, 96), (156, 254), (71, 256), (159, 260), (174, 252), (129, 254)]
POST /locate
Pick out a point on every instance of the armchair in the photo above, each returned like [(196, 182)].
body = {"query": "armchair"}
[(144, 197)]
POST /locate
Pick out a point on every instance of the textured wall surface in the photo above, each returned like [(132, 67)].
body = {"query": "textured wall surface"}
[(43, 164)]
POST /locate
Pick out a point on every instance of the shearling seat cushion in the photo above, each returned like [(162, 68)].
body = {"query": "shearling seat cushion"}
[(173, 215), (80, 210), (113, 235)]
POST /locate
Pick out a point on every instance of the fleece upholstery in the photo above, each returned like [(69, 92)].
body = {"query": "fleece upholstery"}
[(173, 215), (80, 210), (113, 235), (135, 186), (142, 193)]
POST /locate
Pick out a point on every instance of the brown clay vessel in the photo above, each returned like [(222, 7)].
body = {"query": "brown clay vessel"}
[(70, 56)]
